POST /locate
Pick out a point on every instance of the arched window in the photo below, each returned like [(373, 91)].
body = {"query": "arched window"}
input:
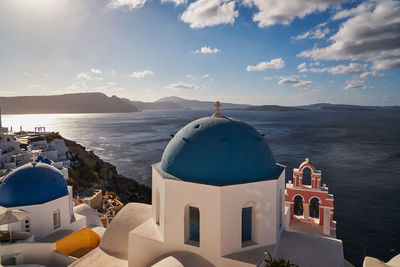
[(298, 205), (192, 226), (306, 176), (56, 218), (314, 207), (158, 208)]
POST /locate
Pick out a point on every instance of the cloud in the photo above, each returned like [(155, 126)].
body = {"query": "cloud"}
[(207, 50), (292, 80), (184, 86), (141, 74), (355, 84), (176, 2), (196, 76), (130, 4), (272, 12), (203, 13), (371, 74), (276, 63), (352, 68), (88, 75), (316, 33), (84, 75), (96, 71), (80, 86), (371, 34)]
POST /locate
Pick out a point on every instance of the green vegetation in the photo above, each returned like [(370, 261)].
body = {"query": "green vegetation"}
[(278, 263), (83, 176)]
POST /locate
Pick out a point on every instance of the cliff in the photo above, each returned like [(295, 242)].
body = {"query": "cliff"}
[(92, 172), (68, 103)]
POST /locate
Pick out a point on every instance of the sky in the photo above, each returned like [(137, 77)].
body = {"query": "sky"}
[(242, 51)]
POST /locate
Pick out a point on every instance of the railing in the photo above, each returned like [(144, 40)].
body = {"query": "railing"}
[(261, 262)]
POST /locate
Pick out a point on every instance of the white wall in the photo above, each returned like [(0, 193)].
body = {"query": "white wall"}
[(220, 218), (36, 253), (41, 218), (59, 145), (264, 196)]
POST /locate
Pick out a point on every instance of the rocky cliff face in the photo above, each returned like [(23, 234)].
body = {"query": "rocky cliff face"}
[(92, 172)]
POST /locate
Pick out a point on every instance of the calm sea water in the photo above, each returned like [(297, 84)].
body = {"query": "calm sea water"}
[(358, 153)]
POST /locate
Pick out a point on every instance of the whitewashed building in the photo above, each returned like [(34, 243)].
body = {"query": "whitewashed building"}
[(41, 190)]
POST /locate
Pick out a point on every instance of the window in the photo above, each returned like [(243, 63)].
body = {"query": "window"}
[(247, 224), (27, 225), (56, 219), (158, 208), (280, 209), (192, 226)]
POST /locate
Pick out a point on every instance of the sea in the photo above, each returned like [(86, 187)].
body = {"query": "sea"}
[(358, 153)]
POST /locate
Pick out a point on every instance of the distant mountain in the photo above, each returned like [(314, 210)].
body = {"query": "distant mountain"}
[(273, 108), (154, 105), (196, 104), (68, 103), (341, 107)]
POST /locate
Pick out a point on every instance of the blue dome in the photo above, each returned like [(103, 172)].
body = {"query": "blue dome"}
[(219, 151), (32, 184)]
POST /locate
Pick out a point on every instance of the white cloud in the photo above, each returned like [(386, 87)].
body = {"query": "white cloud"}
[(302, 67), (130, 4), (176, 2), (142, 74), (362, 8), (196, 76), (272, 12), (207, 50), (355, 84), (184, 86), (315, 33), (203, 13), (80, 86), (88, 75), (96, 71), (371, 34), (371, 74), (292, 80), (84, 75), (352, 68), (276, 63)]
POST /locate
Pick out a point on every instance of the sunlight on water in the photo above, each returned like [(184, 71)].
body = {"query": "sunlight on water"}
[(30, 121)]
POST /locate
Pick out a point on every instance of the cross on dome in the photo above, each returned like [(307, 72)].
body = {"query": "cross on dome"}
[(217, 105)]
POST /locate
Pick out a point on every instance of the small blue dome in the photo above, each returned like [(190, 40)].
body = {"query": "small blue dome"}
[(31, 184), (219, 151)]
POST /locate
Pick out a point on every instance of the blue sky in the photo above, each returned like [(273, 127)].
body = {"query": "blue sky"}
[(245, 51)]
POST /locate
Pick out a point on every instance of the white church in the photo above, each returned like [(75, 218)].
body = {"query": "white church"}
[(218, 200), (41, 191)]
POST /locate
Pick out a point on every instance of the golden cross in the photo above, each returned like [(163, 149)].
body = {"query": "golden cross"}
[(217, 105)]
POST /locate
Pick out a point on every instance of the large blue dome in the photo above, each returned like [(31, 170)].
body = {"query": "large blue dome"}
[(219, 151), (31, 184)]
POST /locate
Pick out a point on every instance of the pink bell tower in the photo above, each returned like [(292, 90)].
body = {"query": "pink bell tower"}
[(310, 206)]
